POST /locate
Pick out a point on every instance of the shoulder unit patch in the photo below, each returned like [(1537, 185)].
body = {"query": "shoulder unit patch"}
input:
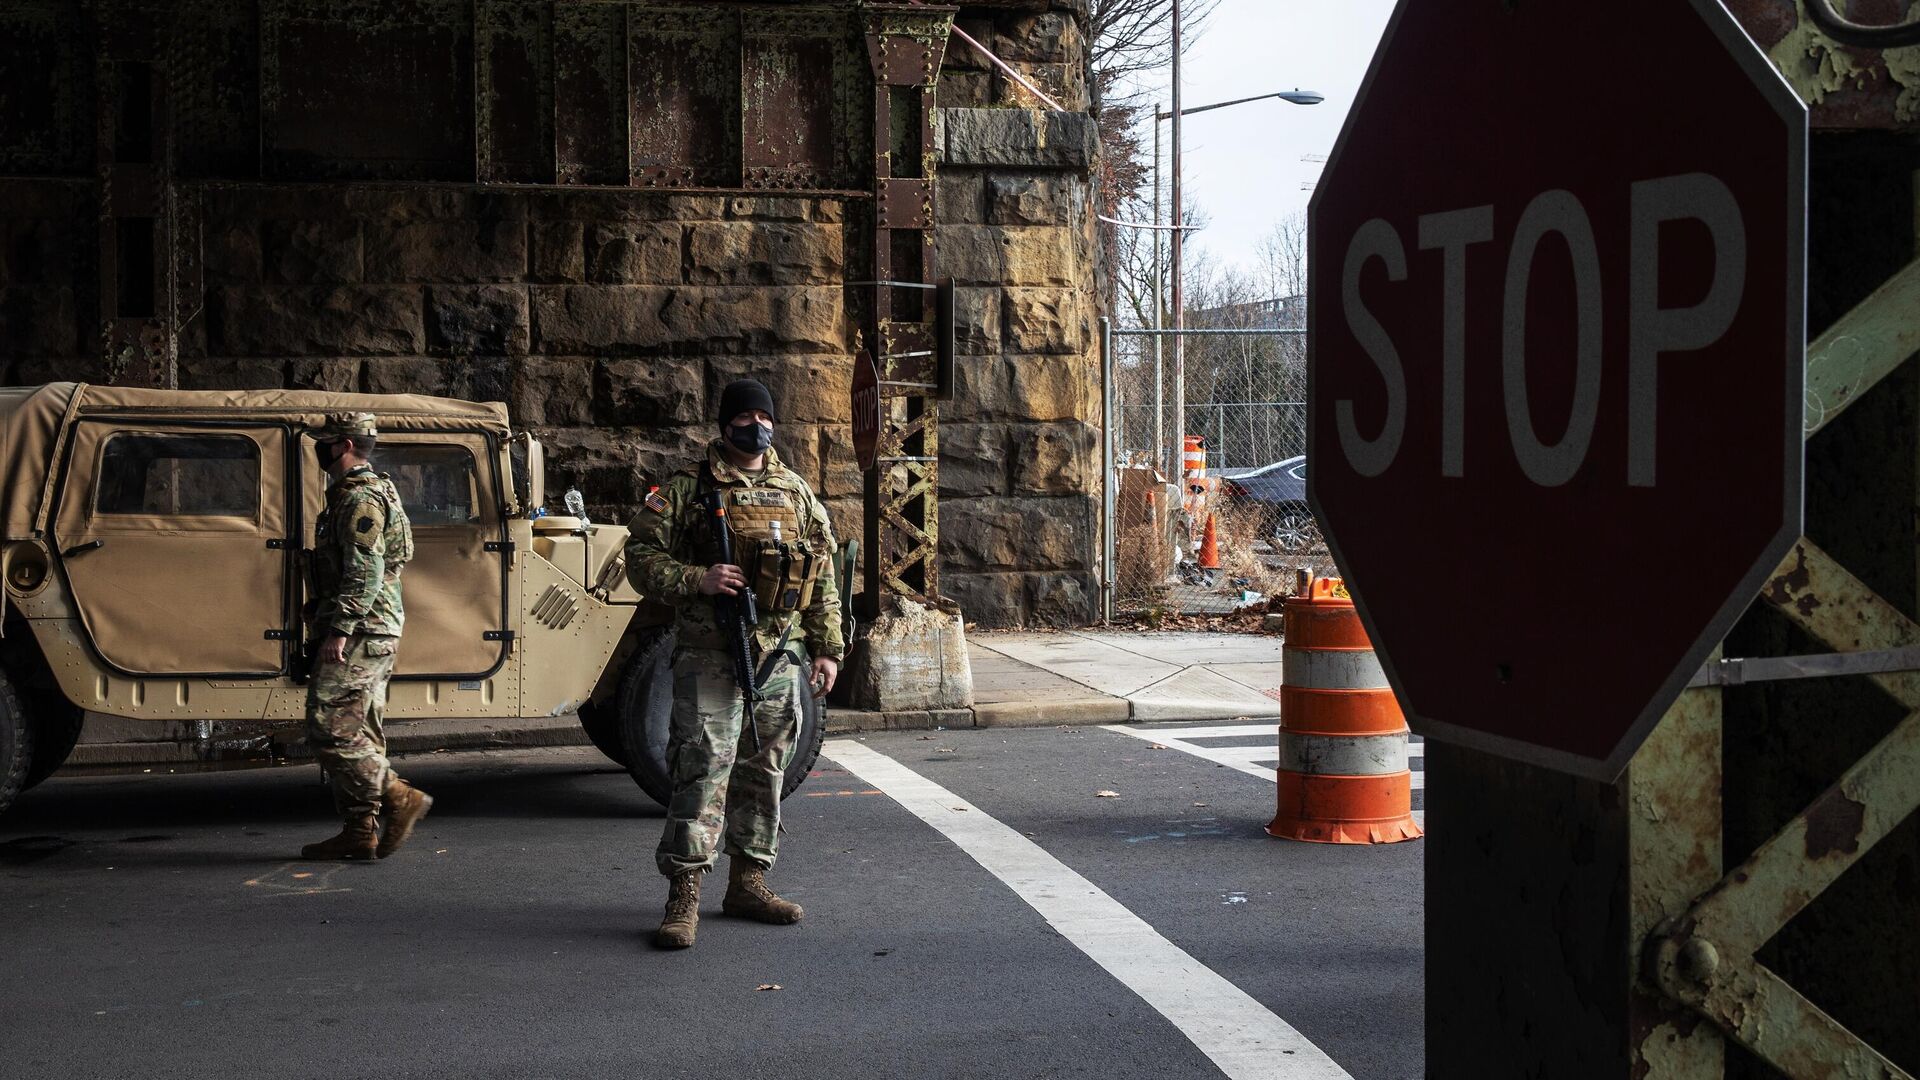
[(365, 524), (655, 503)]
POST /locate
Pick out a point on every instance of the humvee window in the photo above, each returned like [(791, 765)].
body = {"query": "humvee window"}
[(436, 483), (179, 475)]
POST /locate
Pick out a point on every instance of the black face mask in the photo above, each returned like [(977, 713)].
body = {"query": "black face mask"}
[(752, 438), (324, 451)]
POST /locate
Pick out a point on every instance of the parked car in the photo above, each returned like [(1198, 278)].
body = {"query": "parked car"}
[(150, 570), (1279, 491)]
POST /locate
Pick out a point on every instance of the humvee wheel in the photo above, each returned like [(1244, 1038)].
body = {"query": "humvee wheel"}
[(16, 745), (56, 730), (644, 704), (602, 725)]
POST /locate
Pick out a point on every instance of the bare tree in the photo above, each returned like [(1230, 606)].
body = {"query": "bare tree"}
[(1282, 254), (1126, 37)]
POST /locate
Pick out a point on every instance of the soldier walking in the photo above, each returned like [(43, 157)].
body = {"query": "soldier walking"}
[(727, 782), (361, 543)]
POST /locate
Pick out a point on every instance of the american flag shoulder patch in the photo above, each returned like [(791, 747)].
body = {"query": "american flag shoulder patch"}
[(655, 503)]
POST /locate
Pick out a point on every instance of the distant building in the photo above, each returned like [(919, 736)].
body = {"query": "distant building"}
[(1277, 313)]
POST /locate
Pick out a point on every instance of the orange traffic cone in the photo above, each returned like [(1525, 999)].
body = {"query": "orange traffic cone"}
[(1209, 547)]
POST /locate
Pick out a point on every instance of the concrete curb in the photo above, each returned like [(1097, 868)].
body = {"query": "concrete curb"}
[(1092, 710)]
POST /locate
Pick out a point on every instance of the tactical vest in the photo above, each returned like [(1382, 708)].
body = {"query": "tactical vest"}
[(781, 573)]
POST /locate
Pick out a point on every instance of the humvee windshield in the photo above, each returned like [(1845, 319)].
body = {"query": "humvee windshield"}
[(212, 475), (436, 483)]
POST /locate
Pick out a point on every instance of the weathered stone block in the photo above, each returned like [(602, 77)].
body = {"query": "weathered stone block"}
[(1021, 138), (470, 319), (1054, 459), (599, 319), (840, 467), (1047, 321), (651, 391), (980, 388), (338, 374), (750, 253), (830, 211), (959, 198), (770, 208), (805, 388), (1061, 599), (551, 392), (1032, 199), (976, 320), (759, 318), (346, 320), (1009, 255), (987, 600), (1064, 83), (486, 378), (912, 657), (38, 321), (848, 521), (634, 253), (232, 254), (311, 252), (229, 373), (973, 460), (1049, 37), (440, 251), (1025, 534), (964, 89), (1050, 387), (800, 449), (559, 251)]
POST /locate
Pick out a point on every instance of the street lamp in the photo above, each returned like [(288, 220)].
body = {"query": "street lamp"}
[(1178, 228)]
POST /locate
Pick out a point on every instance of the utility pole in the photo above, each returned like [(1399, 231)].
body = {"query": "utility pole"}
[(1178, 217), (1159, 307)]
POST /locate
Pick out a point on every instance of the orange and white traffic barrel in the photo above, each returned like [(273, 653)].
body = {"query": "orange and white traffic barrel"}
[(1343, 774), (1195, 463)]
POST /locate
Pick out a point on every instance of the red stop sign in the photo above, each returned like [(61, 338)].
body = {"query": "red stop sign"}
[(1556, 326), (866, 410)]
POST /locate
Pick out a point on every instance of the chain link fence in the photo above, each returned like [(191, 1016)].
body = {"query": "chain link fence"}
[(1245, 415)]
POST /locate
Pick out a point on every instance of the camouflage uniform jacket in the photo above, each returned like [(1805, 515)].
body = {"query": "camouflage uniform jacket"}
[(360, 544), (668, 551)]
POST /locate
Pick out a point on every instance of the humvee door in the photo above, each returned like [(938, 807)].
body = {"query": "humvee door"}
[(454, 590), (174, 540)]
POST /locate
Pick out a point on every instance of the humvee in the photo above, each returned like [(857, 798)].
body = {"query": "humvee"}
[(152, 556)]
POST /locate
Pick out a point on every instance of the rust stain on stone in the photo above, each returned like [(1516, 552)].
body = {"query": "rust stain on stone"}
[(1834, 822)]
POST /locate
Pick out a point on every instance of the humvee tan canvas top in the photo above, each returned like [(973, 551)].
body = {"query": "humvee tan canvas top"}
[(34, 421)]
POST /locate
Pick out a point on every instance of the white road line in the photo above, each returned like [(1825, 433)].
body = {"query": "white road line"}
[(1241, 1036), (1242, 758), (1230, 731)]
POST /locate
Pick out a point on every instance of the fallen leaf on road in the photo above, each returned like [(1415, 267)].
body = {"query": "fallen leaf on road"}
[(769, 986), (1155, 746), (960, 809), (926, 738), (1199, 804), (1106, 794), (943, 750), (439, 851)]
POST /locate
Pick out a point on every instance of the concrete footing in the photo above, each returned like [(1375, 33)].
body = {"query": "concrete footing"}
[(911, 659)]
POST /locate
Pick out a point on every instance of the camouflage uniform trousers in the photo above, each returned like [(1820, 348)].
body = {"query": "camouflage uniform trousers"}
[(719, 791), (345, 705)]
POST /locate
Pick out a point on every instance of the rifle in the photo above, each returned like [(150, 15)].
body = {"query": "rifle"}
[(738, 615)]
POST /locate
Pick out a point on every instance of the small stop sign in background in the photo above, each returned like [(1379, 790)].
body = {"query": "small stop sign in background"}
[(1546, 530)]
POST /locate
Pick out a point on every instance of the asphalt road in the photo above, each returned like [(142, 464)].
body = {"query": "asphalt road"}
[(160, 926)]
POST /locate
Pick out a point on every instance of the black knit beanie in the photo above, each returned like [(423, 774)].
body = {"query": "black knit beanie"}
[(743, 395)]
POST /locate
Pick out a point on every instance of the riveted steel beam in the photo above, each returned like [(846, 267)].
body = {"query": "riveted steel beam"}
[(1863, 347)]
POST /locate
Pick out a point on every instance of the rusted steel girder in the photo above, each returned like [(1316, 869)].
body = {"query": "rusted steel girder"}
[(897, 308)]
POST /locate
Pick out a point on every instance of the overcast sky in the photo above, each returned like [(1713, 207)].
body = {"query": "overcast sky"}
[(1243, 164)]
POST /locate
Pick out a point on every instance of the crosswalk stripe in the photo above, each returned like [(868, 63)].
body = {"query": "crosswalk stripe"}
[(1260, 761), (1242, 1037)]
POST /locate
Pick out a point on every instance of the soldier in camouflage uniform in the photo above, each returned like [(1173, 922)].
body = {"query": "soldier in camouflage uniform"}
[(361, 543), (723, 792)]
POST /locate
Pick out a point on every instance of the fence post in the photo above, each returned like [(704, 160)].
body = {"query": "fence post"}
[(1110, 474)]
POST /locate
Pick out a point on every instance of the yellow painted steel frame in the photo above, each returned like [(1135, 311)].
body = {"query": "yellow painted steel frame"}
[(1702, 955)]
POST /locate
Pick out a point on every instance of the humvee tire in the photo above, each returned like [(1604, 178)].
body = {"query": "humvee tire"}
[(16, 744), (602, 725), (644, 705), (56, 730)]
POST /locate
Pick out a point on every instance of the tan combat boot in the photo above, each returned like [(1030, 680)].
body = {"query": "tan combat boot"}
[(683, 912), (357, 840), (401, 809), (749, 898)]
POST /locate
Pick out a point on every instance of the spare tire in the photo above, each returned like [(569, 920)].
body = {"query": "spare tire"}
[(645, 708), (16, 744)]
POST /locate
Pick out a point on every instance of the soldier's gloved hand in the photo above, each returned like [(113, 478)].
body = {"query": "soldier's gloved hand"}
[(334, 649), (723, 578)]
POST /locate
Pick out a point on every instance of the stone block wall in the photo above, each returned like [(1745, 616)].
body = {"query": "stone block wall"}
[(1021, 475), (607, 318)]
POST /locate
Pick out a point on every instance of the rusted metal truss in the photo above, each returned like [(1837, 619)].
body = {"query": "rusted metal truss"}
[(897, 309), (1705, 957)]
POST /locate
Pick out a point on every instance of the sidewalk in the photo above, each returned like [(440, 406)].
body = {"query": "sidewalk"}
[(1025, 679)]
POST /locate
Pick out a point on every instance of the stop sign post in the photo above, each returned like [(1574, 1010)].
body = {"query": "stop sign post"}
[(1555, 361)]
